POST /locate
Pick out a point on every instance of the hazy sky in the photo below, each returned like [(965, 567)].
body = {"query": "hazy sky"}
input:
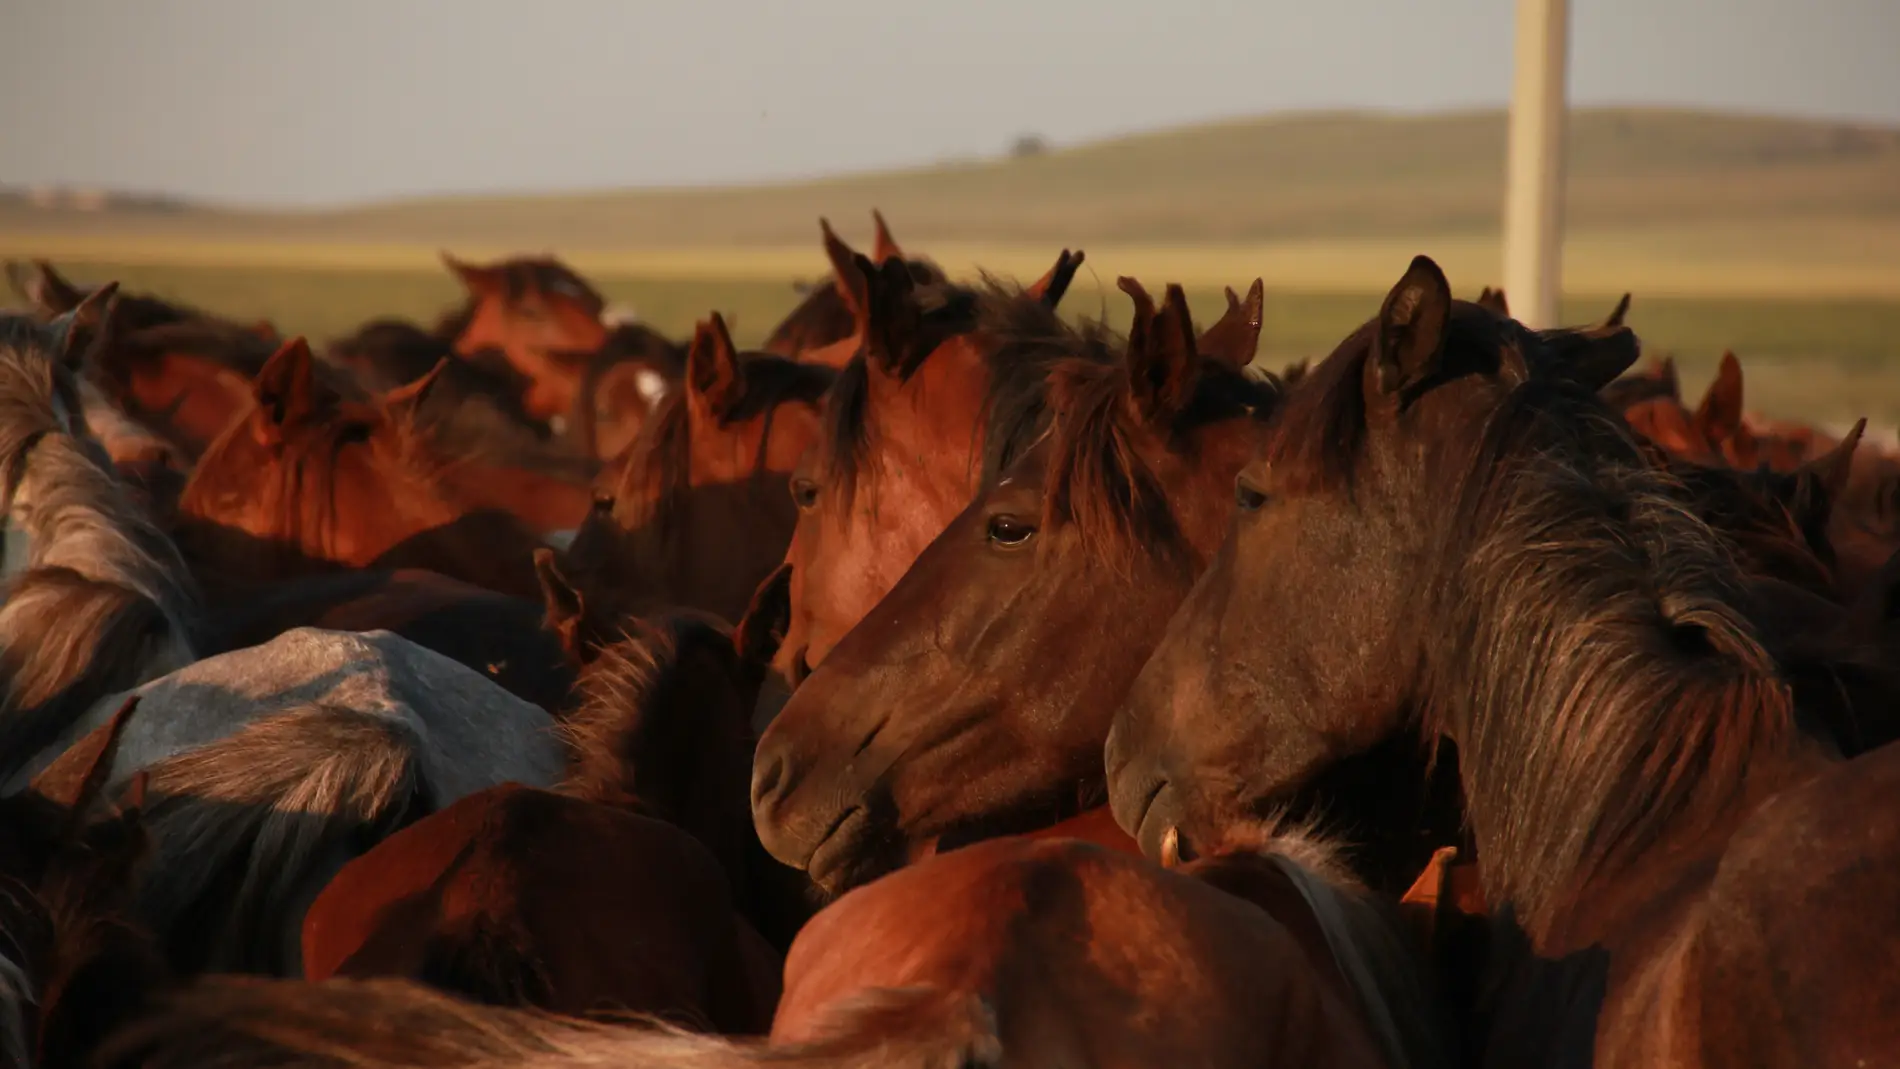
[(309, 101)]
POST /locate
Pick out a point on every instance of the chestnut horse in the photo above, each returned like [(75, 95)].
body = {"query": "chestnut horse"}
[(905, 432), (503, 897), (1035, 954), (905, 445), (532, 311), (974, 698), (1449, 535), (311, 480), (700, 512)]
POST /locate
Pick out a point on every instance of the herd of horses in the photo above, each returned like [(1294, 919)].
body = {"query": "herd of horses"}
[(951, 683)]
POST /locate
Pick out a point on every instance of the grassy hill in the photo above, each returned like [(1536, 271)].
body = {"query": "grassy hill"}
[(1777, 237), (1256, 180)]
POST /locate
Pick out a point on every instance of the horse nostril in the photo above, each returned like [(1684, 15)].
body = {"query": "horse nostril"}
[(768, 775)]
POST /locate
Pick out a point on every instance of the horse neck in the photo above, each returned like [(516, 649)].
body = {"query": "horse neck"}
[(1607, 694)]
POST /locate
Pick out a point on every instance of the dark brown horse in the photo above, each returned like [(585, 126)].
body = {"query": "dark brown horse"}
[(310, 479), (620, 891), (973, 698), (532, 310), (1449, 535), (75, 963), (700, 512)]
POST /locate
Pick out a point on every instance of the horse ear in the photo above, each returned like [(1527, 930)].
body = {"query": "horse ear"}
[(1162, 357), (886, 248), (1050, 288), (1622, 309), (77, 778), (50, 290), (1596, 357), (83, 331), (1829, 471), (1235, 338), (768, 616), (1666, 371), (409, 397), (712, 369), (476, 279), (1494, 300), (1410, 333), (286, 387), (1719, 416), (845, 273), (891, 319), (564, 609)]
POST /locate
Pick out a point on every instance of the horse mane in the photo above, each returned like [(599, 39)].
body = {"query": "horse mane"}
[(659, 464), (1617, 686), (106, 601), (634, 716), (1096, 480), (1020, 339), (230, 1022)]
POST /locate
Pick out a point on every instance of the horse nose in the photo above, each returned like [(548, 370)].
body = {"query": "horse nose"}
[(769, 779)]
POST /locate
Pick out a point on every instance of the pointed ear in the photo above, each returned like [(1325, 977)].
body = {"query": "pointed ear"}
[(1666, 371), (1829, 472), (1162, 360), (886, 248), (409, 397), (1622, 309), (286, 388), (564, 609), (767, 618), (1235, 338), (844, 270), (1494, 300), (476, 279), (891, 317), (1719, 416), (51, 291), (713, 382), (78, 777), (1593, 358), (84, 331), (1050, 288), (1410, 334)]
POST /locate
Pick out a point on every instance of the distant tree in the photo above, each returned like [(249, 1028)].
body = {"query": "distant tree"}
[(1027, 146)]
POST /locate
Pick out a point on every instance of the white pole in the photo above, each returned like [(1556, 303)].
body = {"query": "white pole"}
[(1534, 181)]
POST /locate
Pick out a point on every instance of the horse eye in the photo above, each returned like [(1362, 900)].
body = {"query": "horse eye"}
[(1009, 531), (804, 494), (1247, 498)]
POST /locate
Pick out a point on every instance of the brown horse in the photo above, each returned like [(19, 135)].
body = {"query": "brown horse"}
[(310, 480), (1448, 535), (1036, 954), (622, 387), (905, 436), (620, 891), (700, 512), (973, 698), (531, 310), (75, 964)]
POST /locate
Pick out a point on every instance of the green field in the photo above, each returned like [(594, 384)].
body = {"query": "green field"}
[(1777, 238)]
